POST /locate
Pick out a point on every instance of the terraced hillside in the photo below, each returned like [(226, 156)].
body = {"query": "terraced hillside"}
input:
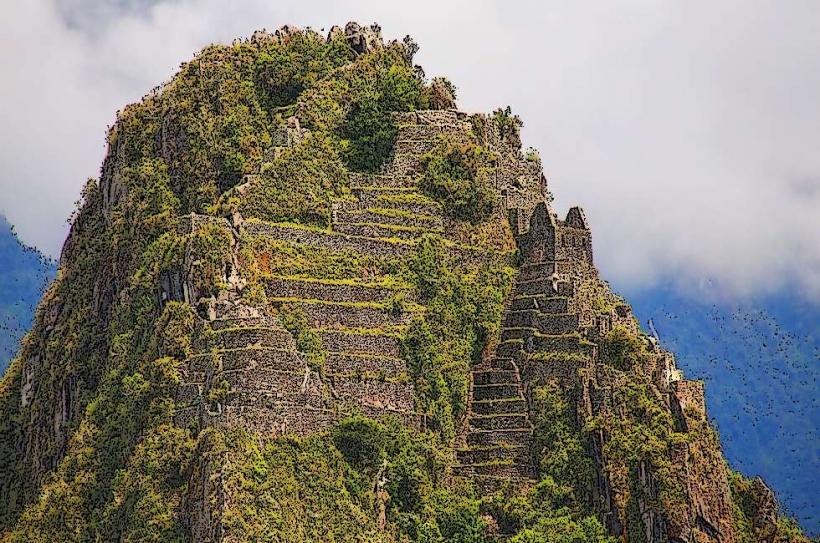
[(359, 319), (309, 300)]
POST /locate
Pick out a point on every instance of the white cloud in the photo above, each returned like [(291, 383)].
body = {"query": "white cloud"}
[(688, 131)]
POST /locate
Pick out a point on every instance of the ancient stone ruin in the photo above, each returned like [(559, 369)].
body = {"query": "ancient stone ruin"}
[(552, 323)]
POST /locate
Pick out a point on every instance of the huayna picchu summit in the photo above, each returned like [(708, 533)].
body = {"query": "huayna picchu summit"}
[(308, 300)]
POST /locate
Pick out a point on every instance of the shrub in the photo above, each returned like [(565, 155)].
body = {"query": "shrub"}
[(368, 131), (463, 312), (458, 176), (508, 126), (361, 441), (622, 349), (562, 456), (299, 184), (307, 339), (285, 69)]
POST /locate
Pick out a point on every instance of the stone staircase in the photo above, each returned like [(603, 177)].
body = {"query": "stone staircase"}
[(499, 437), (538, 318)]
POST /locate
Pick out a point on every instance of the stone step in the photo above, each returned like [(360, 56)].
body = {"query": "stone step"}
[(495, 469), (383, 230), (541, 302), (431, 132), (268, 387), (561, 343), (246, 358), (543, 286), (517, 333), (403, 201), (496, 392), (329, 240), (547, 323), (337, 241), (443, 118), (245, 336), (376, 393), (511, 421), (322, 314), (241, 322), (520, 437), (367, 180), (388, 217), (498, 363), (415, 148), (372, 342), (276, 418), (492, 377), (278, 396), (328, 290), (545, 269), (511, 348), (480, 455), (496, 407), (351, 363)]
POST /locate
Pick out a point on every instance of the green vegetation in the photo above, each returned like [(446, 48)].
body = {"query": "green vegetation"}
[(458, 176), (641, 434), (622, 350), (545, 515), (463, 313), (748, 496), (308, 341), (314, 166), (563, 448)]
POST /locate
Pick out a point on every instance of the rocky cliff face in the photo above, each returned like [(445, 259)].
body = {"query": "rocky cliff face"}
[(243, 299)]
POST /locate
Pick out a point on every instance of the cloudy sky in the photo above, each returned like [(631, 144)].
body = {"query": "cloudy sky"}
[(689, 131)]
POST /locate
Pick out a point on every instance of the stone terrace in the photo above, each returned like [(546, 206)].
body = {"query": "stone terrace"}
[(247, 370)]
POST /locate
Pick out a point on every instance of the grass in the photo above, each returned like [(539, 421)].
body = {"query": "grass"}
[(394, 332), (407, 198), (408, 306), (397, 227), (400, 213), (554, 357), (388, 283)]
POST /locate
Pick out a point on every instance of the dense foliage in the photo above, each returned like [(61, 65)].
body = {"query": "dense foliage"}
[(464, 312), (458, 175)]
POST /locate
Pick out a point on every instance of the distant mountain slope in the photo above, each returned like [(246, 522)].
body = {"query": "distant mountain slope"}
[(24, 273), (760, 363)]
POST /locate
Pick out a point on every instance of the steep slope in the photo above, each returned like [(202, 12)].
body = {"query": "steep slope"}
[(26, 274), (758, 360), (308, 300)]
